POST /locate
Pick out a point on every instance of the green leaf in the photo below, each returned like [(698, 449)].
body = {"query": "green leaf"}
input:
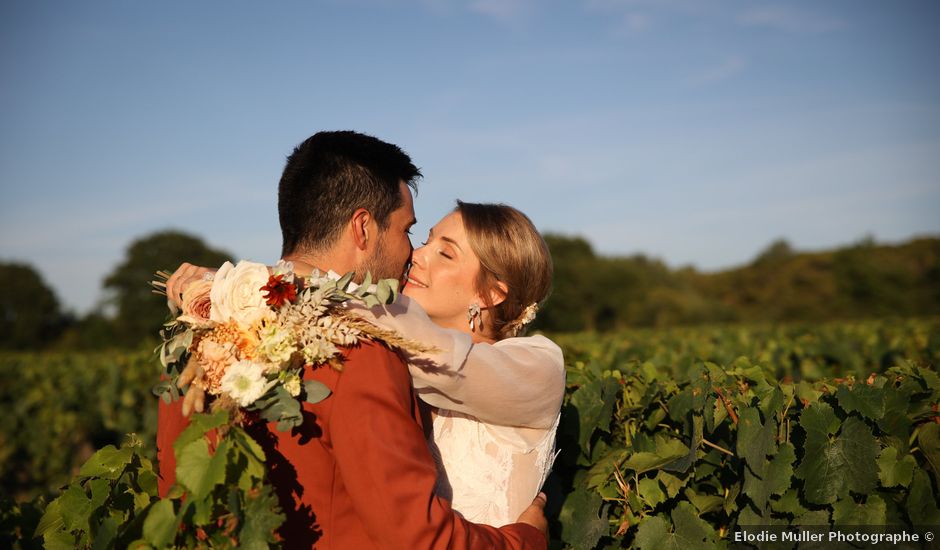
[(893, 472), (928, 439), (848, 512), (107, 463), (594, 402), (755, 440), (814, 517), (789, 503), (76, 509), (284, 409), (199, 471), (161, 524), (262, 517), (199, 425), (689, 531), (249, 466), (861, 455), (651, 534), (704, 503), (778, 474), (921, 504), (366, 283), (105, 535), (833, 464), (898, 400), (315, 391), (344, 281), (651, 492), (51, 519), (602, 469), (869, 401), (667, 450), (806, 392), (583, 519), (672, 483), (683, 464), (60, 540)]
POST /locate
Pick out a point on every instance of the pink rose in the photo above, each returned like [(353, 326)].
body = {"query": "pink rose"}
[(197, 304)]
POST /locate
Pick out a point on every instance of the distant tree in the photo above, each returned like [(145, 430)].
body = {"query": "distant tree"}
[(778, 250), (30, 316), (570, 306), (139, 312)]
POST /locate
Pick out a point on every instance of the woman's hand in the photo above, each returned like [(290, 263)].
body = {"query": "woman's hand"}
[(184, 275)]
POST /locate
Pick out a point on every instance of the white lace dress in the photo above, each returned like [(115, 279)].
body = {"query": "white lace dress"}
[(498, 410), (489, 473)]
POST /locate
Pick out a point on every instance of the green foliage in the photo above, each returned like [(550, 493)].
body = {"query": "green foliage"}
[(699, 442), (650, 450), (592, 292), (139, 312), (58, 408), (220, 496), (30, 315)]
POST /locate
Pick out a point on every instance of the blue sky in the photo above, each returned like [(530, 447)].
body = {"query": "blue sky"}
[(696, 131)]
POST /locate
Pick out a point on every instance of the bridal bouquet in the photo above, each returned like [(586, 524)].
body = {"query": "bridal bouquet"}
[(251, 332)]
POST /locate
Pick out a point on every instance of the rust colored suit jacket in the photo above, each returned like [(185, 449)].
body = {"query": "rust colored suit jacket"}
[(358, 473)]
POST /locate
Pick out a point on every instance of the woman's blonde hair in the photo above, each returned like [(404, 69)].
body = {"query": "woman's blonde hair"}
[(511, 251)]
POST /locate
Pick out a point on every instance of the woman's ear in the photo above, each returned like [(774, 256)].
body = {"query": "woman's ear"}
[(497, 294)]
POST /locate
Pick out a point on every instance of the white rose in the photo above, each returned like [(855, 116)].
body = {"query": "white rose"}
[(236, 294), (244, 382)]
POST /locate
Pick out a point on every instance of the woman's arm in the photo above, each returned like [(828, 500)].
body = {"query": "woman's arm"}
[(515, 382)]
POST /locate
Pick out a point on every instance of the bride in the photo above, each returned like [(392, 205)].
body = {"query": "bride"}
[(473, 287)]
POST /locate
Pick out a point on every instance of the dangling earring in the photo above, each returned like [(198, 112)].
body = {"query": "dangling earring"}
[(473, 312)]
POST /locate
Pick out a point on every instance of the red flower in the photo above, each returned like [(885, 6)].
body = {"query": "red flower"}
[(279, 292)]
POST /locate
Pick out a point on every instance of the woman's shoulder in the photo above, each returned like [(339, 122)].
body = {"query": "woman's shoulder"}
[(536, 343)]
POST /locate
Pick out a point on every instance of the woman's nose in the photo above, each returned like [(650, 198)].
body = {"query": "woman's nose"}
[(417, 256)]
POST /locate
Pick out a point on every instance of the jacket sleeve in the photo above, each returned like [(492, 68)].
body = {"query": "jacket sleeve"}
[(514, 382), (170, 424), (389, 474)]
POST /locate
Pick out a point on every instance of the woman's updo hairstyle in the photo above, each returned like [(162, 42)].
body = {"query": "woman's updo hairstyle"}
[(513, 252)]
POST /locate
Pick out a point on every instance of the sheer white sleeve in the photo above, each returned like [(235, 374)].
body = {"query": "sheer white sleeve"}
[(514, 382)]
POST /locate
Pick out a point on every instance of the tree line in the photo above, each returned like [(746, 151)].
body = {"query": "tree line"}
[(591, 292)]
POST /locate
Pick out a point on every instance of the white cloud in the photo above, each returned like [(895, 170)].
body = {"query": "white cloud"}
[(789, 19)]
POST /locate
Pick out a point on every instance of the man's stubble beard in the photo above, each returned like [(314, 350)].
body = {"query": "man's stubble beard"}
[(380, 265)]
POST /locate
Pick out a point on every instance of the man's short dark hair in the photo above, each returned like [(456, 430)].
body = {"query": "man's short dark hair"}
[(332, 174)]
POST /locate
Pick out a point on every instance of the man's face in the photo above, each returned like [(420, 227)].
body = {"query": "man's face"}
[(393, 249)]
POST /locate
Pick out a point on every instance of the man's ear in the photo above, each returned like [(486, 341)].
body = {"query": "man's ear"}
[(360, 226), (498, 294)]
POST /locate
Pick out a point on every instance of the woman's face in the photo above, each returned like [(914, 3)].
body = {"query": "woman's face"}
[(443, 272)]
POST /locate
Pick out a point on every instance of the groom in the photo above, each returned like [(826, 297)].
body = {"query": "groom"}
[(357, 473)]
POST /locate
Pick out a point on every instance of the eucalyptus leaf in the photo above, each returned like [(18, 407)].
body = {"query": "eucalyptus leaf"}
[(315, 391)]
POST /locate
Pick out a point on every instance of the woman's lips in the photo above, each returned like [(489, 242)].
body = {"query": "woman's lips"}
[(414, 282)]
